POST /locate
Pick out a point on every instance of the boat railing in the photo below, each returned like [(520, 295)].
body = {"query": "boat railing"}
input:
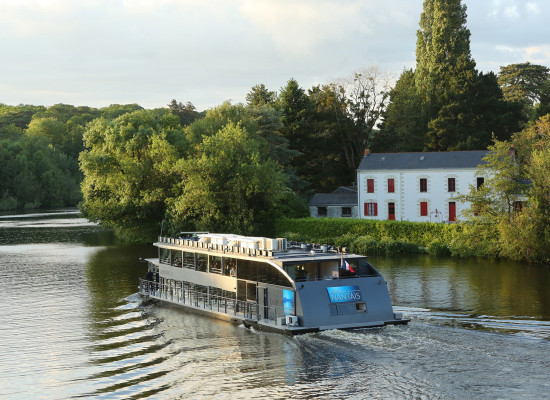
[(203, 300)]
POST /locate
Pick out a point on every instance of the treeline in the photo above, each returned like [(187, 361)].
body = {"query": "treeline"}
[(39, 150)]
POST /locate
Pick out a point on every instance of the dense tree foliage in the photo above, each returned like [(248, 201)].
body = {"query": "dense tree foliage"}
[(33, 174), (404, 125), (186, 113), (127, 168), (510, 214), (527, 84), (259, 95), (228, 184), (445, 104)]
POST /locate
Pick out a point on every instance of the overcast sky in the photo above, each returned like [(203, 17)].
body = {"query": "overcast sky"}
[(101, 52)]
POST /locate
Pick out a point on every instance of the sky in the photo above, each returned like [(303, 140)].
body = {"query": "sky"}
[(101, 52)]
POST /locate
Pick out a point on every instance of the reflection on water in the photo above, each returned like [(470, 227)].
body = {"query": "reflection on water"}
[(74, 327), (481, 294)]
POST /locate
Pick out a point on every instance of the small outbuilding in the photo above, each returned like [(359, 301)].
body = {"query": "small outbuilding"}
[(342, 203)]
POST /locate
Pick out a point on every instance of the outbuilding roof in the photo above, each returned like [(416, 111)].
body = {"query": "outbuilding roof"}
[(333, 199), (343, 196), (426, 160)]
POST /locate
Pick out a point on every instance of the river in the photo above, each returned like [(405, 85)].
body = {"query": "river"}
[(72, 326)]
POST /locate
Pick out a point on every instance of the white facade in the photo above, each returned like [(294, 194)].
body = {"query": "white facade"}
[(421, 195)]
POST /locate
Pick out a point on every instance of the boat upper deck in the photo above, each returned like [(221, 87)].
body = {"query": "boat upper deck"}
[(278, 250)]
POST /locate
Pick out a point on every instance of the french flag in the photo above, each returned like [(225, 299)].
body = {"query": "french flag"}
[(346, 266)]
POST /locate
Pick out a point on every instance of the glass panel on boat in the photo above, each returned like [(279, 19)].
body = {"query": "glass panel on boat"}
[(261, 272), (164, 255), (215, 263), (188, 260), (230, 267), (202, 262), (312, 271)]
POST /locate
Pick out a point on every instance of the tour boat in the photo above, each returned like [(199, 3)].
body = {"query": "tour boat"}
[(269, 284)]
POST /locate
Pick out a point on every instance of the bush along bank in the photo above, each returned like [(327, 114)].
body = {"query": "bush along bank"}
[(371, 236)]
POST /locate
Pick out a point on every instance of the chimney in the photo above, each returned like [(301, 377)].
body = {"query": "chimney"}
[(366, 152)]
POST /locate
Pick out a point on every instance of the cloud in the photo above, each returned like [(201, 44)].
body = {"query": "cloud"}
[(298, 27), (97, 52), (532, 8)]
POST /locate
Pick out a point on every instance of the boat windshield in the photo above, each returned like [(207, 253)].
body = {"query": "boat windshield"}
[(345, 268)]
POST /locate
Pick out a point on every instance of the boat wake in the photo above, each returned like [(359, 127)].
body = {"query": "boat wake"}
[(527, 327)]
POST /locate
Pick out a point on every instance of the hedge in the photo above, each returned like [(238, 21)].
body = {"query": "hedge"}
[(372, 236)]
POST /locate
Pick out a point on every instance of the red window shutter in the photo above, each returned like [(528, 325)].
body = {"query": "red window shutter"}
[(366, 209), (370, 185), (375, 209), (424, 208), (452, 211), (391, 186)]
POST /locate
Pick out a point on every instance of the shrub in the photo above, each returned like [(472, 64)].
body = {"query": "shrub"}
[(438, 248)]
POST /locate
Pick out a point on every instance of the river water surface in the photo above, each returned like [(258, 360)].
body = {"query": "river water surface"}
[(72, 326)]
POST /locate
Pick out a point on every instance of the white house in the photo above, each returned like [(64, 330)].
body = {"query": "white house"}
[(418, 187)]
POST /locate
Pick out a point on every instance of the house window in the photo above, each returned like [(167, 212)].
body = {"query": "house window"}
[(346, 211), (370, 185), (423, 184), (321, 211), (371, 209), (391, 185), (391, 211), (423, 208), (451, 184), (480, 182)]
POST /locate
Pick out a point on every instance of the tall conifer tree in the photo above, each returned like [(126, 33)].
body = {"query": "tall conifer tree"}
[(459, 108)]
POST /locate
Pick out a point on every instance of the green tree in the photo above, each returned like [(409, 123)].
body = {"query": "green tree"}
[(20, 115), (116, 110), (34, 174), (543, 107), (260, 95), (186, 113), (524, 83), (403, 125), (513, 205), (333, 132), (443, 60), (128, 170), (454, 107), (296, 116), (48, 127), (228, 185)]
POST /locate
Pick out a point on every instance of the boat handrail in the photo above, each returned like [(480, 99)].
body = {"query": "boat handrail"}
[(199, 299)]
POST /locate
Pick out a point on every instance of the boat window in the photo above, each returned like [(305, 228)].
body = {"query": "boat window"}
[(164, 256), (261, 272), (202, 262), (312, 271), (176, 258), (215, 264), (230, 267), (296, 271), (188, 260)]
